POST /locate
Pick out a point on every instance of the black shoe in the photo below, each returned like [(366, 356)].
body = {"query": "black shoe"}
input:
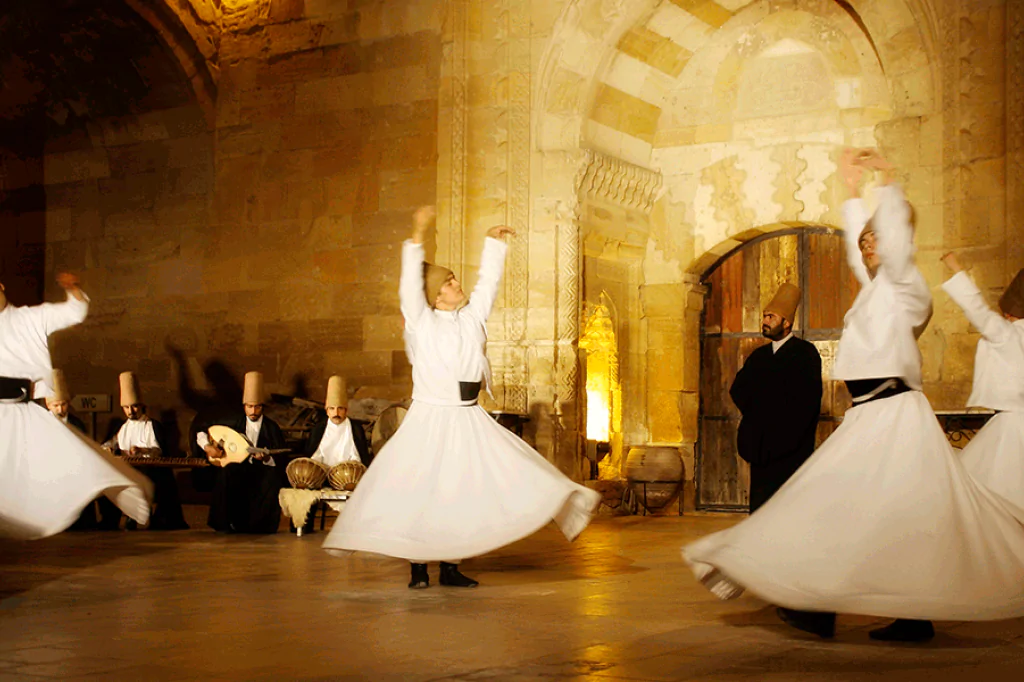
[(817, 623), (451, 577), (420, 579), (904, 630), (131, 524)]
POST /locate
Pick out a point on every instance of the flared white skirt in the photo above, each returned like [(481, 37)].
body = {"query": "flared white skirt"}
[(995, 456), (882, 520), (451, 484), (49, 472)]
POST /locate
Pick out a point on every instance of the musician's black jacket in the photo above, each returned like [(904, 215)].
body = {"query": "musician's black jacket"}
[(77, 423), (244, 496), (779, 395), (316, 434)]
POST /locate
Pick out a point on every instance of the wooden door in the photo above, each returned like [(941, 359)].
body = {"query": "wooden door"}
[(738, 287)]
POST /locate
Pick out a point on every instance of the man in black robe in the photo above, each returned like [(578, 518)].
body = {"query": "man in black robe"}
[(778, 391), (245, 495)]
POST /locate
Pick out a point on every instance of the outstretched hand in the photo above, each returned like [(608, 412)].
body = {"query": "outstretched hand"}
[(851, 168), (69, 283), (500, 232), (422, 220), (952, 262)]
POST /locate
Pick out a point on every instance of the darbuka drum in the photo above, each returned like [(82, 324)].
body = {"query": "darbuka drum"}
[(385, 426), (344, 476), (305, 473)]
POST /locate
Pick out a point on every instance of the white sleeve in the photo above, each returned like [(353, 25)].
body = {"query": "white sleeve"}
[(492, 267), (993, 326), (855, 217), (410, 286), (894, 235), (52, 317)]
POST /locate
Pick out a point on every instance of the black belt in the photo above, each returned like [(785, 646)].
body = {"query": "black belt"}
[(15, 390), (469, 390), (866, 390)]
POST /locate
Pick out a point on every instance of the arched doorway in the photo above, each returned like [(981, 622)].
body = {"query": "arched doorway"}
[(737, 288)]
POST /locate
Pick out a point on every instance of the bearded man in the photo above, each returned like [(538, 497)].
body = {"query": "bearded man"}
[(778, 391)]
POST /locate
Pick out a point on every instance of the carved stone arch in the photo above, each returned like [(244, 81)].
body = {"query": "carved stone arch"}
[(584, 42), (188, 33)]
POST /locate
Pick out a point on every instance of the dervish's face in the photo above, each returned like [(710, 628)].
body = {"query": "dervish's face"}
[(868, 252), (774, 326), (58, 408), (134, 411), (451, 295), (337, 414), (3, 297), (253, 411)]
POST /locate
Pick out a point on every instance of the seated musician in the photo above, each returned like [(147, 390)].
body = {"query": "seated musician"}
[(337, 439), (59, 405), (245, 494), (140, 436)]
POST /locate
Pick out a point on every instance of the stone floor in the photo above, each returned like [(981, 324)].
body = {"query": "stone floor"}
[(616, 605)]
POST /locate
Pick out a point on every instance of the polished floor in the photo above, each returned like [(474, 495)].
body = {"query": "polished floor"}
[(616, 605)]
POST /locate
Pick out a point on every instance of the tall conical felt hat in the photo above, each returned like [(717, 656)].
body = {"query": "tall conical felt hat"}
[(60, 387), (337, 392), (1012, 300), (129, 389), (253, 393), (787, 298), (434, 277)]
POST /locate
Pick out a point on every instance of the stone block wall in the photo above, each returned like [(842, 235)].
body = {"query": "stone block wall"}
[(266, 235)]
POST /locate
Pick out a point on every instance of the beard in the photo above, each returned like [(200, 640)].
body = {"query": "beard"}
[(776, 333)]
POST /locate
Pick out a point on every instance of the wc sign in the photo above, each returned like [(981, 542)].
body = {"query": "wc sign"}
[(91, 403)]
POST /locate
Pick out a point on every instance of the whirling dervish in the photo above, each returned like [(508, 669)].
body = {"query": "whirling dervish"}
[(48, 472), (995, 456), (452, 483), (883, 519)]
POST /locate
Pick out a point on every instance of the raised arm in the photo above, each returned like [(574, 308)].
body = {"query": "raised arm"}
[(53, 317), (855, 213), (410, 286), (993, 326), (492, 267), (894, 233), (855, 217)]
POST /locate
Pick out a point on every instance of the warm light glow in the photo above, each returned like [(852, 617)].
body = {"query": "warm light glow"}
[(599, 414), (603, 391)]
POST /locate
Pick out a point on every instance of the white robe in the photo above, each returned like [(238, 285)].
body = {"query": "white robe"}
[(995, 456), (136, 433), (337, 445), (48, 471), (882, 519), (452, 483)]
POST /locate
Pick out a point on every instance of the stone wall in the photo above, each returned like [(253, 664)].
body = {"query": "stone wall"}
[(266, 236), (630, 144)]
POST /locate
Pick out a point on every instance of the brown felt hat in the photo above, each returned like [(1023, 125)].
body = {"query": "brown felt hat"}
[(337, 392), (60, 387), (434, 277), (1012, 300), (787, 298), (252, 393), (129, 389)]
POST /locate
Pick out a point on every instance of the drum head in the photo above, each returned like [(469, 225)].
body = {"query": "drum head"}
[(386, 425)]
